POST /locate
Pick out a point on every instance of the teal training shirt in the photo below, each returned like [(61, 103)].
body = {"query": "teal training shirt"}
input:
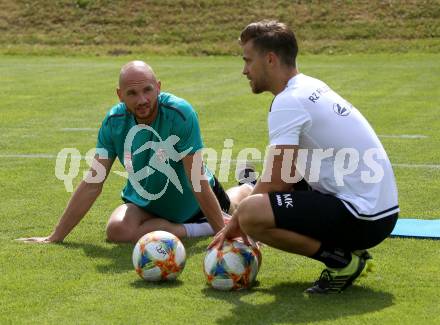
[(156, 170)]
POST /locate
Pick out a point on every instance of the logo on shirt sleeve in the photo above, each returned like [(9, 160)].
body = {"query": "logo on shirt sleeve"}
[(342, 110)]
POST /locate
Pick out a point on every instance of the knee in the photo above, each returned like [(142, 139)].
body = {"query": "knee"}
[(117, 232), (249, 213), (238, 193)]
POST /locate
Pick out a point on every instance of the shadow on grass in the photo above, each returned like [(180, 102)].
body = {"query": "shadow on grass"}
[(286, 302), (142, 284), (118, 256)]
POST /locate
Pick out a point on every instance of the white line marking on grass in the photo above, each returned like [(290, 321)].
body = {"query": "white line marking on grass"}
[(78, 129), (427, 166), (403, 136), (37, 156), (234, 161), (417, 166), (395, 136), (122, 174)]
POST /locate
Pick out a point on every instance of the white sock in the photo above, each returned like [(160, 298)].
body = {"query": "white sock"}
[(198, 229)]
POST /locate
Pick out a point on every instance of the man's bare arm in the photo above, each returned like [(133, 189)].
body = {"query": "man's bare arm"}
[(79, 204), (206, 198), (276, 175)]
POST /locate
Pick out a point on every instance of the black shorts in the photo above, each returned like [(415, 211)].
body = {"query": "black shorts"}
[(325, 218), (222, 197), (223, 200)]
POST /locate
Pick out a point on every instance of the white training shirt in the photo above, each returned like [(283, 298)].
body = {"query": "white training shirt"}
[(340, 154)]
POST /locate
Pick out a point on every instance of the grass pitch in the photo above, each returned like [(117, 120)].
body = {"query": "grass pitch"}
[(209, 27), (47, 104)]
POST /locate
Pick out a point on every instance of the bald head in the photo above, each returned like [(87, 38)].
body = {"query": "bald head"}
[(139, 90), (135, 70)]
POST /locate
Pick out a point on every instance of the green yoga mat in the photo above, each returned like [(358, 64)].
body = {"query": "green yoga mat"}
[(417, 228)]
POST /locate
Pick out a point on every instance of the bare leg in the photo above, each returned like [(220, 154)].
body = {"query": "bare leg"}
[(236, 194), (128, 223), (256, 219)]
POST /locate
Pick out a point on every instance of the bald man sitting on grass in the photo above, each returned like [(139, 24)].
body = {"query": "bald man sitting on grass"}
[(156, 137)]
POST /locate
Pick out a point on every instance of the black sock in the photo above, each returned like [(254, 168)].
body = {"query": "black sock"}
[(332, 257)]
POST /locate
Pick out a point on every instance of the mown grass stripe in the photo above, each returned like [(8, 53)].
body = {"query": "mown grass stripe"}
[(232, 161)]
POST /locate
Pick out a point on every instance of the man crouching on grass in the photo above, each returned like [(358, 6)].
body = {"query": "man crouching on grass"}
[(156, 137), (347, 209)]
